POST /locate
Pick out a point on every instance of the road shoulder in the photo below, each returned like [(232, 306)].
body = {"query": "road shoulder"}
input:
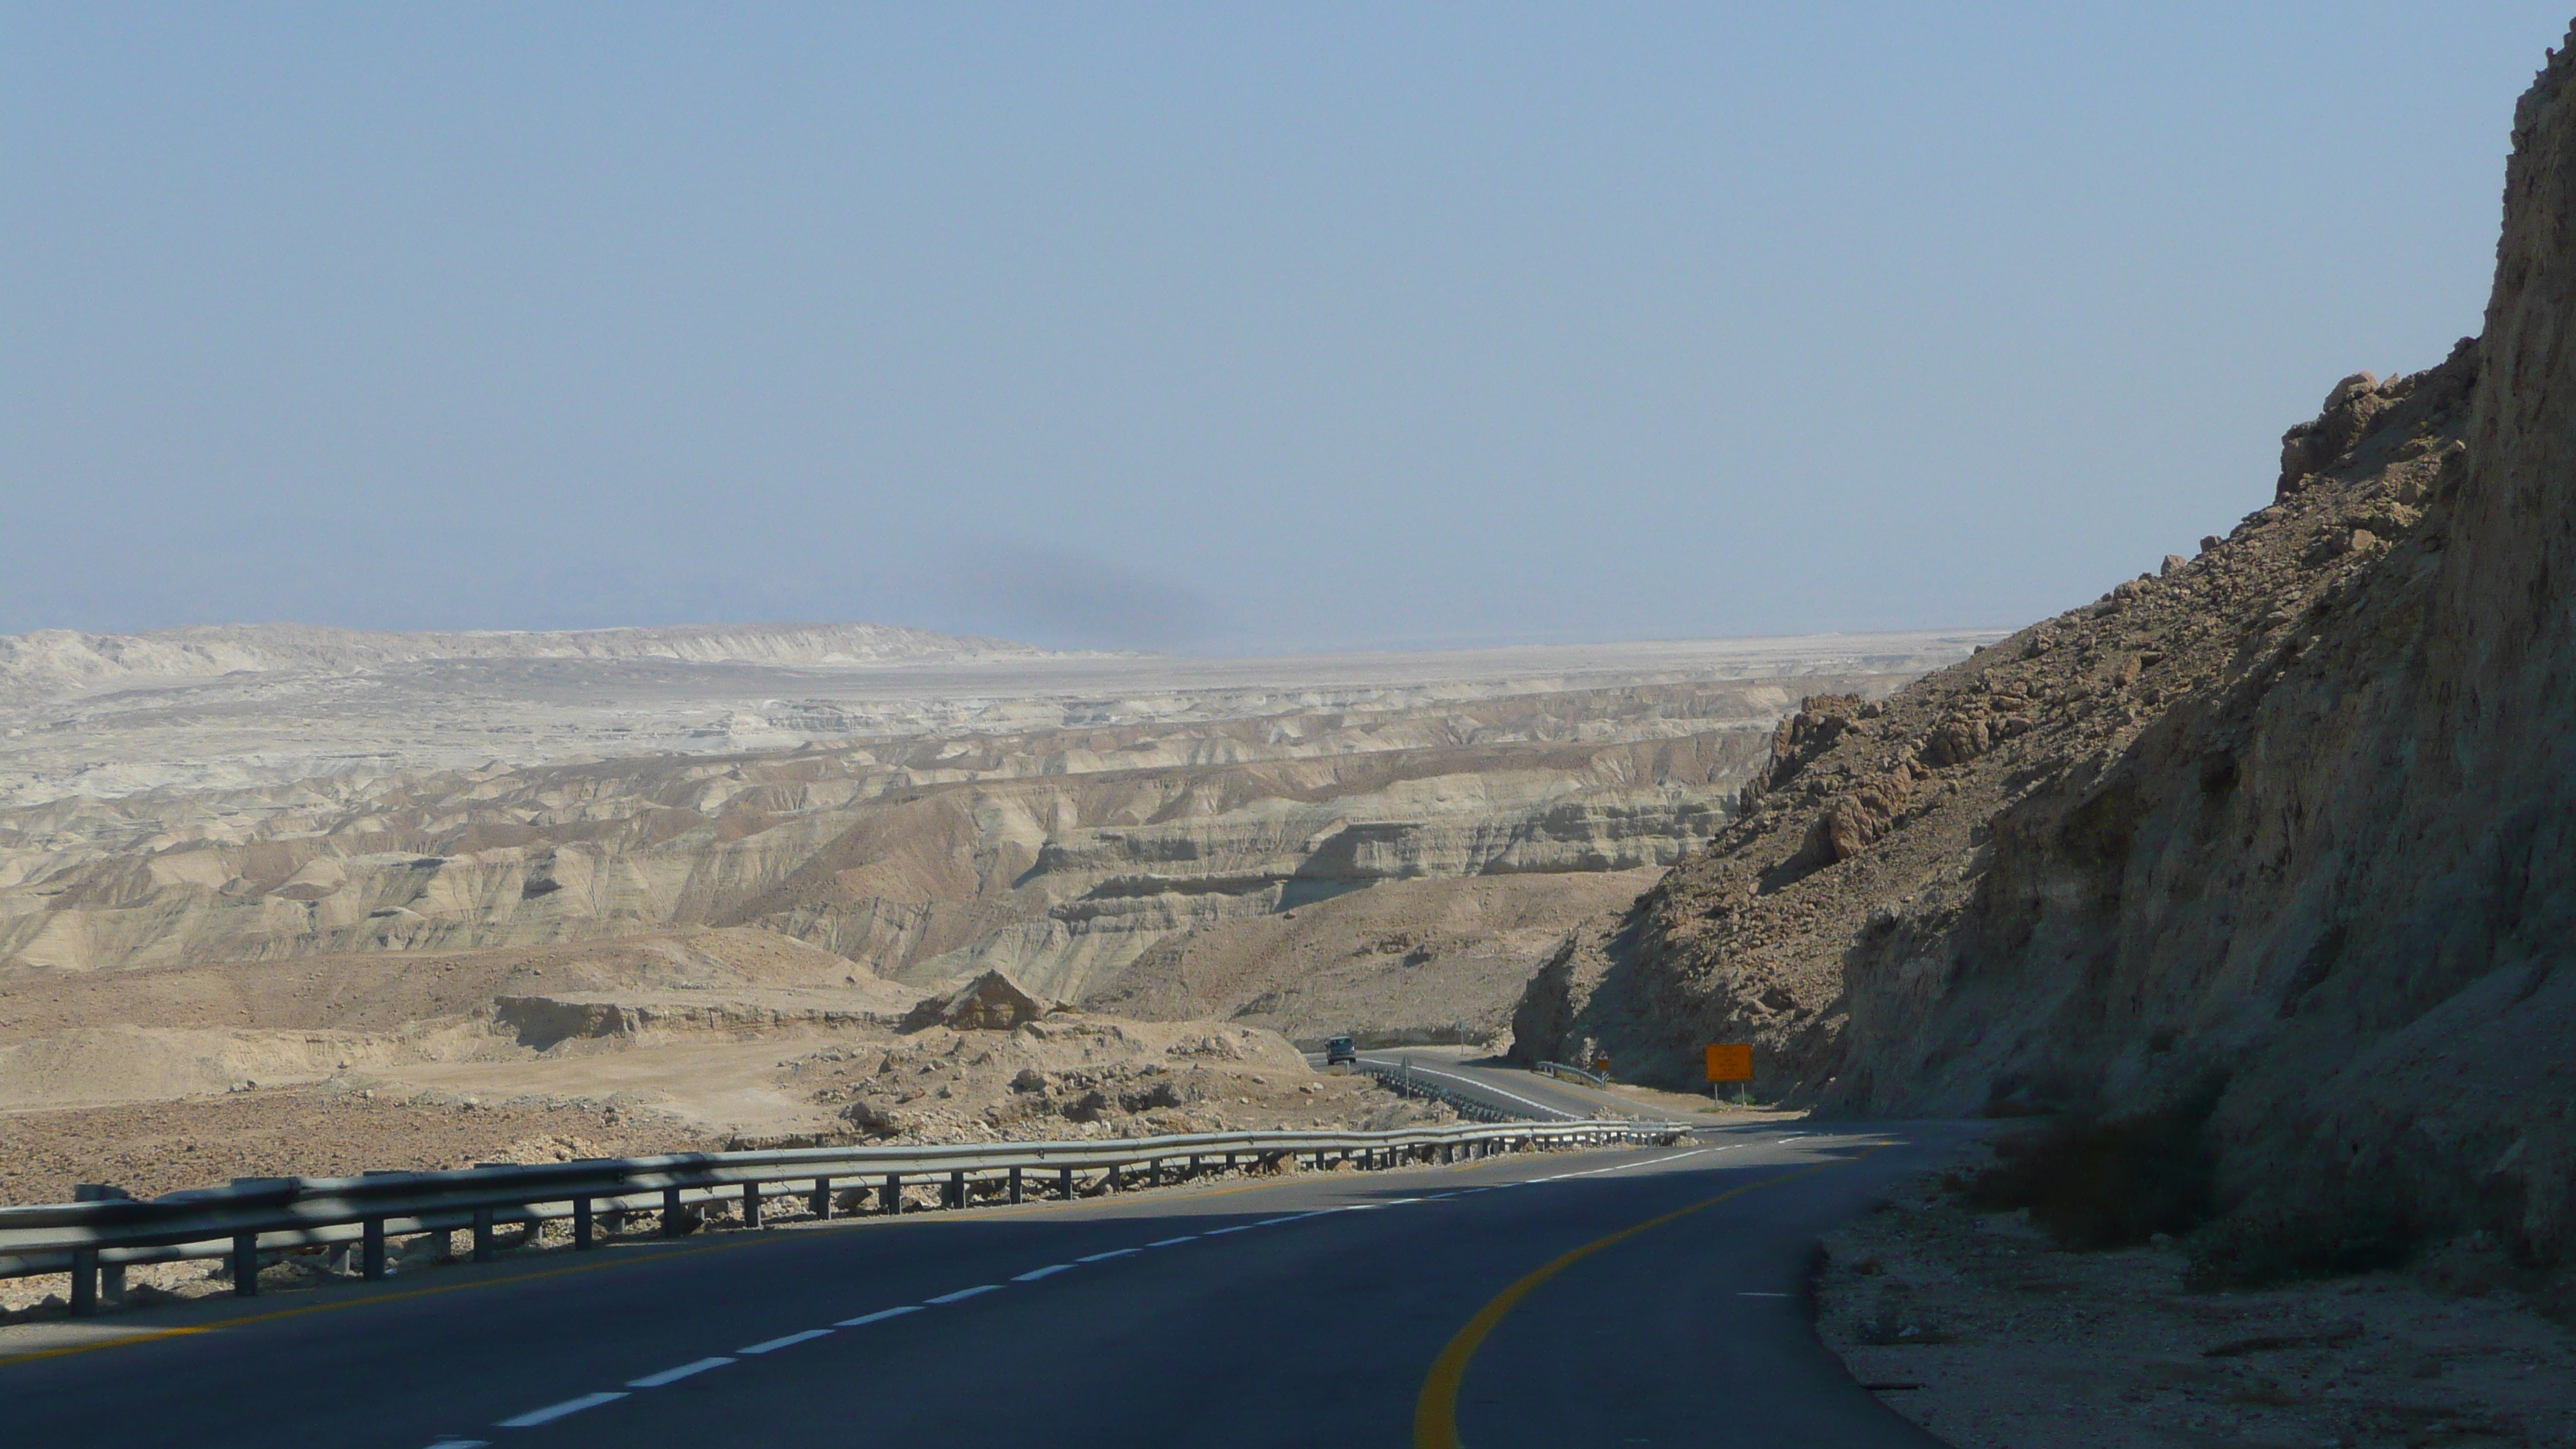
[(1980, 1329)]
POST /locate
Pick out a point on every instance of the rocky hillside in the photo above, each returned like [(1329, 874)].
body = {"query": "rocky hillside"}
[(2283, 827)]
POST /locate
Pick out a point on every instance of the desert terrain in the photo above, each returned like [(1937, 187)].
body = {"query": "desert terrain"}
[(278, 899)]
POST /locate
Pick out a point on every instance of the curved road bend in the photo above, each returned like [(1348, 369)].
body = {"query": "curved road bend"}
[(1386, 1308), (1513, 1089)]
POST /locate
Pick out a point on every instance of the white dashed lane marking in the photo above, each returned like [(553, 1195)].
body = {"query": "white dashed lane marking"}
[(965, 1293), (879, 1316), (674, 1375), (552, 1412)]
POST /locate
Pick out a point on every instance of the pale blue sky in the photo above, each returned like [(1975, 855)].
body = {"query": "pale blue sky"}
[(1215, 328)]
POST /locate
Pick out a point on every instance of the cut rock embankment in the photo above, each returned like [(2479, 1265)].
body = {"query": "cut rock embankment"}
[(2282, 829)]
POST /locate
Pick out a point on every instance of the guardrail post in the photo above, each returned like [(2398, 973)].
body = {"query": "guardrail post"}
[(1229, 1162), (371, 1248), (821, 1203), (482, 1235), (585, 1229), (1154, 1173), (1194, 1165), (1113, 1178), (84, 1282), (245, 1265), (1015, 1184), (751, 1204), (670, 1212), (1064, 1183), (892, 1200), (955, 1196), (85, 1266)]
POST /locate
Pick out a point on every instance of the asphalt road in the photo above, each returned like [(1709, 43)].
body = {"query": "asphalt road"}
[(1387, 1308), (1512, 1089)]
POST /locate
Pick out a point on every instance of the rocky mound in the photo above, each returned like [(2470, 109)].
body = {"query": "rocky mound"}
[(2279, 833)]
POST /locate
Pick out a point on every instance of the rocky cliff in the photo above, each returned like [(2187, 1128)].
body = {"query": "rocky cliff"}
[(2282, 828)]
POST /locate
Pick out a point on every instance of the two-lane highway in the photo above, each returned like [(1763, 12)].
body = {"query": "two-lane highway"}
[(1636, 1297)]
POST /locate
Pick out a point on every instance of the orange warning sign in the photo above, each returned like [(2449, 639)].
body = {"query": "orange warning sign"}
[(1730, 1061)]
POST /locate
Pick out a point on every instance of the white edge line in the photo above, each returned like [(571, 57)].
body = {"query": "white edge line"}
[(674, 1375), (1167, 1242), (1221, 1232), (1049, 1271), (552, 1412), (879, 1316), (1653, 1161), (790, 1341), (1099, 1257), (965, 1293), (1761, 1295)]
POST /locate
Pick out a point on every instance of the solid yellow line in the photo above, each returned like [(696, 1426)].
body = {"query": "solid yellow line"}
[(1435, 1412)]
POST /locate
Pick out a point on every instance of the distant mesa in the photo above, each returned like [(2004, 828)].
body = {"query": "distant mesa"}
[(52, 663)]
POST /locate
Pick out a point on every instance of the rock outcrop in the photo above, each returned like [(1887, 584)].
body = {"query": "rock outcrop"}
[(990, 1002), (2285, 827)]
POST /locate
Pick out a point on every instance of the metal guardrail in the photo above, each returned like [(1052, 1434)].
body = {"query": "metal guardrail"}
[(1561, 1070), (258, 1216), (1401, 1079)]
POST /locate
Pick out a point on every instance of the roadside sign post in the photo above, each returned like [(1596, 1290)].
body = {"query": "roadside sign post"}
[(1730, 1062)]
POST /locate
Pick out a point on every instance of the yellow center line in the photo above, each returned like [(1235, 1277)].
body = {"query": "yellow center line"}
[(1435, 1411), (656, 1252)]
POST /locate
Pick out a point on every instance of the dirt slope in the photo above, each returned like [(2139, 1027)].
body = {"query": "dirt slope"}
[(2287, 822)]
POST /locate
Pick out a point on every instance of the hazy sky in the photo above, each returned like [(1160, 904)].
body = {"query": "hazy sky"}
[(1202, 327)]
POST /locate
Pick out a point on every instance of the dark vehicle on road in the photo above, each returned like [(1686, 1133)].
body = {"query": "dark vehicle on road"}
[(1339, 1050)]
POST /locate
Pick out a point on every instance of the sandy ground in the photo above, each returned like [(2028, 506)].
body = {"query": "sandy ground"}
[(1980, 1329)]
